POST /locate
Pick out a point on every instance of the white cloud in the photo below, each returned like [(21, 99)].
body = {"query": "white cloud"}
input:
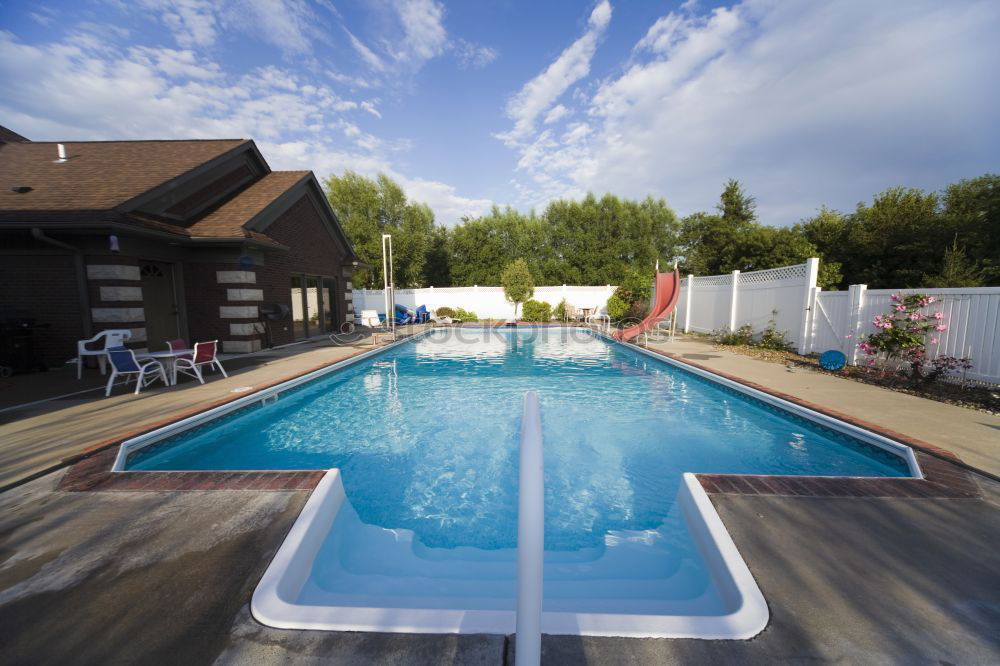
[(192, 22), (806, 103), (367, 55), (472, 55), (290, 25), (556, 113), (542, 91), (424, 34)]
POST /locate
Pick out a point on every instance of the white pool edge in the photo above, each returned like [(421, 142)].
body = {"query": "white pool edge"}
[(273, 599)]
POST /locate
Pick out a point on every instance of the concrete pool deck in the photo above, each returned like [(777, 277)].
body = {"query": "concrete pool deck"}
[(166, 576)]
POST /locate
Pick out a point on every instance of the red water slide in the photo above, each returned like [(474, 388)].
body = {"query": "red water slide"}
[(668, 290)]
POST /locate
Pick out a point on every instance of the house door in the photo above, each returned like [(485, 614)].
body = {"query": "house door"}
[(160, 304)]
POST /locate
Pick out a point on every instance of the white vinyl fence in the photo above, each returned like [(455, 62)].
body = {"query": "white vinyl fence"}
[(487, 302), (816, 320)]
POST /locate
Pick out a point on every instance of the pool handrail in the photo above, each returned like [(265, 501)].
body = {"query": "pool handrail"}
[(530, 536)]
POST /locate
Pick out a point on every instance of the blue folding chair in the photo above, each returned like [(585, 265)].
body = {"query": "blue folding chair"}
[(124, 363)]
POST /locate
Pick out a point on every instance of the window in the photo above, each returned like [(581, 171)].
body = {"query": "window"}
[(298, 308)]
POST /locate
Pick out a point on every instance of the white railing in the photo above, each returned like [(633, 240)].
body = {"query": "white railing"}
[(530, 536), (487, 302)]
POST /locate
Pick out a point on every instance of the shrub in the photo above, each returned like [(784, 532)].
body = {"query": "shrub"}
[(772, 338), (536, 311), (741, 336), (445, 312), (560, 311), (903, 336), (465, 315), (617, 308)]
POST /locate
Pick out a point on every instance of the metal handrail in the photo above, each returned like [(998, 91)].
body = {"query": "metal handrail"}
[(530, 536)]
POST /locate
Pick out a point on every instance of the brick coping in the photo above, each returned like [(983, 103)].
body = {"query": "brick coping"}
[(945, 474)]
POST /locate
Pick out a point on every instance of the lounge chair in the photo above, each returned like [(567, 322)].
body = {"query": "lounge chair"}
[(204, 354), (124, 363), (114, 337), (370, 319)]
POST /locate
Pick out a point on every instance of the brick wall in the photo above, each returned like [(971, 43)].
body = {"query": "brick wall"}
[(203, 295), (312, 251), (44, 287)]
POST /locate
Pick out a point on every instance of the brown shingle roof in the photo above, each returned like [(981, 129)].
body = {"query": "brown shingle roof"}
[(99, 175), (227, 221)]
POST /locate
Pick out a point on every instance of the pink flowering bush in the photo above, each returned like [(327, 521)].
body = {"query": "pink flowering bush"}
[(902, 339)]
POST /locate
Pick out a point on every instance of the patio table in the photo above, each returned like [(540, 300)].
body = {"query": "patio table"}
[(169, 359)]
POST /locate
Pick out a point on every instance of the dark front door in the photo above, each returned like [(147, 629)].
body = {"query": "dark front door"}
[(159, 300)]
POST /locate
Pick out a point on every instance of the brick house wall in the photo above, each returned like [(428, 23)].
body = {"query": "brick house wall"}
[(44, 287), (313, 251)]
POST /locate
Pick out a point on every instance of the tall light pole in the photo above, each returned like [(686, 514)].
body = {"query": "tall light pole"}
[(388, 290)]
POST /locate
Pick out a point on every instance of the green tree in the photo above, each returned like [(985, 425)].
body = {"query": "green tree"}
[(518, 285), (956, 270), (971, 217), (367, 209)]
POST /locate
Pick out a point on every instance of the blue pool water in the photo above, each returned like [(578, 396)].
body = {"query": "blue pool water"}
[(426, 438)]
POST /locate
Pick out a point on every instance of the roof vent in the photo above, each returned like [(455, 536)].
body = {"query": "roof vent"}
[(62, 153), (21, 189)]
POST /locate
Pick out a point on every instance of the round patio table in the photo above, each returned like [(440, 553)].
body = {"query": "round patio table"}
[(169, 359)]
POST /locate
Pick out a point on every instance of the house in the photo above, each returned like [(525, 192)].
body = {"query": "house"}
[(192, 239)]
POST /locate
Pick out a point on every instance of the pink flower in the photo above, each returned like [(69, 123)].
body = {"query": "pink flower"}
[(939, 315), (940, 327), (915, 316), (934, 341), (930, 299), (895, 297), (900, 308)]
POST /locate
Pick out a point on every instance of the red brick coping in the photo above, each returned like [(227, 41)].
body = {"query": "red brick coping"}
[(945, 475), (94, 473)]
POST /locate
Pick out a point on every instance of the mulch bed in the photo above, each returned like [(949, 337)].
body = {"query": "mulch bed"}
[(981, 398)]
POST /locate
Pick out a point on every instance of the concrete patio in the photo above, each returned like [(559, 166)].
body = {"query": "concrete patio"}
[(166, 578)]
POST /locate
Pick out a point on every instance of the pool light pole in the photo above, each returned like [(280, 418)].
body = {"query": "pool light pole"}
[(388, 293)]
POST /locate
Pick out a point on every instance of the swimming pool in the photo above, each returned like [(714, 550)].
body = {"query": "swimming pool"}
[(425, 438)]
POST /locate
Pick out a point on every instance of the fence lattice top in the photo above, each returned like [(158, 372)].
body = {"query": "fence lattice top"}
[(783, 274)]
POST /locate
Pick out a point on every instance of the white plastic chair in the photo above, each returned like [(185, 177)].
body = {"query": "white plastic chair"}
[(124, 363), (598, 318), (113, 337), (204, 354)]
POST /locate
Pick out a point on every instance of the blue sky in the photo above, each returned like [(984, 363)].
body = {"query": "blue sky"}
[(514, 102)]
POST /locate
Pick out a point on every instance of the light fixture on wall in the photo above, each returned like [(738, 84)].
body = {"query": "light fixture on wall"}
[(113, 242)]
